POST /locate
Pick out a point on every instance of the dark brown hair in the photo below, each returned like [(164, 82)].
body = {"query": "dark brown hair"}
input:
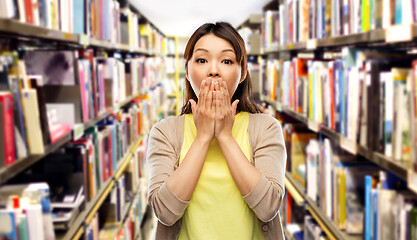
[(244, 90)]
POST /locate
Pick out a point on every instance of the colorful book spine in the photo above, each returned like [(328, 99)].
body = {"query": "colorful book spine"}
[(7, 128)]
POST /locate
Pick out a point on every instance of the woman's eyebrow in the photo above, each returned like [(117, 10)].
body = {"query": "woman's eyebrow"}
[(201, 49), (228, 50)]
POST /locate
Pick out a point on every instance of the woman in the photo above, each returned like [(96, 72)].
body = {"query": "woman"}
[(217, 170)]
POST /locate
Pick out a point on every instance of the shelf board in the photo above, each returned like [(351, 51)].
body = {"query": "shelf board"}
[(18, 166), (94, 205), (401, 169), (20, 29), (370, 37), (326, 224)]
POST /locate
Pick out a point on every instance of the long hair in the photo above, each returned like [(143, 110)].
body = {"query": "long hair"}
[(244, 90)]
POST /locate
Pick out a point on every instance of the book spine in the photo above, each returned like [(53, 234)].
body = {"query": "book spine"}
[(32, 121), (8, 128), (368, 207)]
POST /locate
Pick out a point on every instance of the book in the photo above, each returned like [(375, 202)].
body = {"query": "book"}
[(32, 121), (8, 223), (7, 148)]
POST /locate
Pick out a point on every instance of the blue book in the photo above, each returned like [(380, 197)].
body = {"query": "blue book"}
[(398, 12), (8, 223), (78, 17), (114, 146), (368, 207), (374, 233), (336, 76), (341, 100), (107, 13)]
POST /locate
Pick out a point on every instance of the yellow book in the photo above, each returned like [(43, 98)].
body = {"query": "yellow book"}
[(32, 121), (342, 198)]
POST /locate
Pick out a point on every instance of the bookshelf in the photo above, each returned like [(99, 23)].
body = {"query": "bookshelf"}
[(401, 169), (120, 123), (92, 207), (303, 55), (24, 31), (297, 191)]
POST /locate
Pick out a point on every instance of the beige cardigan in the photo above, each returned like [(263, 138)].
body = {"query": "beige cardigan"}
[(268, 155)]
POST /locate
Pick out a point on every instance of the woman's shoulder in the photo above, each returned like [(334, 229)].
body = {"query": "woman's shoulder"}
[(259, 120), (172, 122)]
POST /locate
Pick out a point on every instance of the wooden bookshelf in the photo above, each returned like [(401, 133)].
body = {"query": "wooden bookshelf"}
[(86, 216), (401, 169), (325, 223), (10, 28), (376, 36), (20, 165)]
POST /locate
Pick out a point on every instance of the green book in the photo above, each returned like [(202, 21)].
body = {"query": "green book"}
[(413, 223)]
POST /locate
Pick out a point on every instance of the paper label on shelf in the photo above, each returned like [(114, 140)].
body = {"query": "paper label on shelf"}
[(313, 125), (312, 44), (78, 131), (412, 180), (83, 40), (399, 33), (349, 145), (279, 107)]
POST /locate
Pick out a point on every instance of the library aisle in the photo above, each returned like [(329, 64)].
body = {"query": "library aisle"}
[(82, 82)]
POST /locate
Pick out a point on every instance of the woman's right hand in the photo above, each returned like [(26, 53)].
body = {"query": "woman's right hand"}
[(203, 111)]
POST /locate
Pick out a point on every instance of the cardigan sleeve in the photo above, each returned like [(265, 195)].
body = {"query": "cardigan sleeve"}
[(162, 154), (269, 157)]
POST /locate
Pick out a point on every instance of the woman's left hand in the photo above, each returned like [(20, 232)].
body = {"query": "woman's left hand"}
[(224, 111)]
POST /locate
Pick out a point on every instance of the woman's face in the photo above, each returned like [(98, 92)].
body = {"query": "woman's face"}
[(214, 58)]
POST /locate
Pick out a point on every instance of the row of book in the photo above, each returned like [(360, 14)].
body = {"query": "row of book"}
[(100, 19), (120, 217), (71, 177), (357, 196), (43, 100), (300, 20), (368, 96)]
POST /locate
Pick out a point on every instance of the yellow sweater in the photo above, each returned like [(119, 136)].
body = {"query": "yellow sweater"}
[(217, 209)]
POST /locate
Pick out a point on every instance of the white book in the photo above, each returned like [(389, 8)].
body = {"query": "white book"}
[(353, 105), (385, 221), (7, 9), (400, 110), (387, 13), (407, 12), (22, 12), (313, 153), (328, 177), (281, 24), (122, 82), (35, 222)]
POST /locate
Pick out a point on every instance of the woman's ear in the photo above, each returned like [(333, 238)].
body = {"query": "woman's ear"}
[(243, 77), (186, 72)]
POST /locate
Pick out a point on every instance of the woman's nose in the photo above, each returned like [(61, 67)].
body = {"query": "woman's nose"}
[(213, 71)]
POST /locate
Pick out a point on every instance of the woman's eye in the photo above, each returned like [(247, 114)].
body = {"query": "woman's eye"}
[(200, 60), (227, 61)]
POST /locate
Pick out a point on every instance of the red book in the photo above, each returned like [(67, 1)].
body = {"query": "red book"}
[(7, 150), (83, 91), (58, 130), (110, 156), (289, 208), (29, 11), (89, 55), (331, 81)]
